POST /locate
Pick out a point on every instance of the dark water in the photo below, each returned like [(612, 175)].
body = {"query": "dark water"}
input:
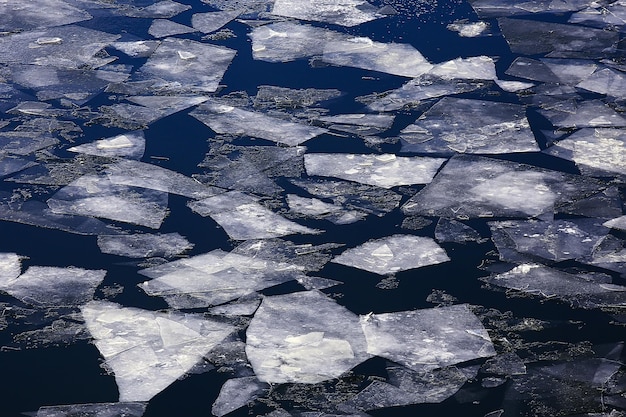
[(37, 373)]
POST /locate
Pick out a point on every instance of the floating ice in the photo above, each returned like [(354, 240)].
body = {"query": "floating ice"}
[(17, 16), (280, 98), (604, 16), (598, 151), (385, 170), (406, 387), (312, 207), (562, 71), (303, 337), (236, 393), (473, 68), (367, 198), (589, 113), (579, 290), (183, 65), (222, 118), (469, 30), (69, 47), (556, 240), (214, 278), (243, 218), (531, 37), (393, 58), (344, 12), (136, 49), (513, 86), (427, 339), (164, 9), (470, 126), (394, 253), (98, 196), (448, 230), (422, 88), (605, 81), (128, 145), (287, 41), (359, 123), (144, 245), (471, 186), (618, 223), (47, 286), (210, 22), (24, 143), (10, 268), (12, 164), (162, 28), (494, 8), (241, 307), (140, 174), (146, 350), (125, 409)]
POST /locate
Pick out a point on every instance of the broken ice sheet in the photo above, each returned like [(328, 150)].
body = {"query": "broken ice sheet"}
[(589, 113), (70, 47), (427, 339), (123, 409), (12, 164), (470, 126), (212, 21), (162, 28), (556, 240), (18, 16), (530, 37), (393, 254), (561, 71), (236, 393), (128, 145), (144, 245), (243, 218), (98, 196), (469, 29), (579, 290), (270, 97), (148, 110), (449, 230), (471, 186), (386, 170), (222, 118), (214, 278), (10, 267), (422, 88), (314, 208), (345, 12), (618, 223), (605, 81), (596, 152), (303, 337), (359, 123), (605, 16), (407, 387), (367, 198), (186, 66), (140, 174), (288, 41), (496, 8), (146, 350), (164, 9), (472, 68), (392, 58), (46, 286), (24, 143)]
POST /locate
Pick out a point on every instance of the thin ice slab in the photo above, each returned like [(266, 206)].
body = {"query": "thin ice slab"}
[(589, 113), (165, 245), (318, 209), (98, 196), (243, 218), (162, 28), (303, 337), (129, 145), (123, 409), (386, 170), (392, 58), (599, 151), (236, 393), (345, 12), (423, 340), (212, 21), (47, 286), (393, 254), (214, 278), (17, 16), (146, 350), (223, 118), (471, 186), (455, 125), (183, 65), (579, 290)]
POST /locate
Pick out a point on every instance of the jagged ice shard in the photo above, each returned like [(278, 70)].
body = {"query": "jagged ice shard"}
[(392, 254), (146, 350), (345, 12), (303, 337)]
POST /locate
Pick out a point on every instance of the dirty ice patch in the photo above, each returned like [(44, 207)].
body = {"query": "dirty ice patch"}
[(386, 170), (392, 58), (344, 12), (423, 340), (129, 145), (393, 254), (455, 125), (304, 337), (146, 350)]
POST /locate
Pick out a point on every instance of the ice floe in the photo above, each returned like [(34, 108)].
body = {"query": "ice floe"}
[(129, 145), (345, 13), (393, 254), (146, 350), (144, 245), (126, 409)]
